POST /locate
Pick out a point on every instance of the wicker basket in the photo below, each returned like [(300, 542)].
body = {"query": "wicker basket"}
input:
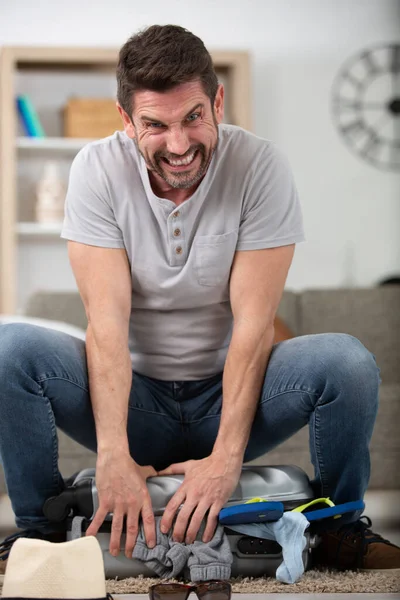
[(91, 118)]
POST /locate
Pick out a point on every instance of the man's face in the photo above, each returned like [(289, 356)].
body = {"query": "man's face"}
[(176, 132)]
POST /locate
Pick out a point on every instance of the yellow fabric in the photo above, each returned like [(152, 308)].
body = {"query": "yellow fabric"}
[(303, 507), (327, 501)]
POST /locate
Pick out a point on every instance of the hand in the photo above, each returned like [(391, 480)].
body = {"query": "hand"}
[(122, 490), (207, 485)]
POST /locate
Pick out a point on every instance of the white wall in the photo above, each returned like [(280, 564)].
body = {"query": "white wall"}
[(352, 210)]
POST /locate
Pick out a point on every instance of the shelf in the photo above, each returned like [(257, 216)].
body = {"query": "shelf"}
[(32, 229), (56, 144)]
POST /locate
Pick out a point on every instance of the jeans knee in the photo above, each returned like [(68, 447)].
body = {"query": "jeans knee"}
[(17, 340), (355, 366), (353, 355)]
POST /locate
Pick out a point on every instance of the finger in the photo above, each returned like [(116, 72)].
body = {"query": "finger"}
[(149, 525), (116, 529), (132, 528), (175, 469), (170, 511), (212, 522), (98, 520), (182, 521), (195, 522)]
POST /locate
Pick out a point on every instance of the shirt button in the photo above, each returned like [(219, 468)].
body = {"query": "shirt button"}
[(176, 214), (177, 232), (178, 249)]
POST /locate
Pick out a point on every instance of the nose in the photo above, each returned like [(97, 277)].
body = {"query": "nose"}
[(178, 141)]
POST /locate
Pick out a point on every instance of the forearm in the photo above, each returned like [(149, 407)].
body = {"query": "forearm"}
[(110, 380), (243, 377)]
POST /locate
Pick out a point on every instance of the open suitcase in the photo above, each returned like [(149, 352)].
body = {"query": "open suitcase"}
[(252, 557)]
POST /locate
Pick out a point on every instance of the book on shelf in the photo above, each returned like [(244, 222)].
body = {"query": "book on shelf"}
[(29, 117)]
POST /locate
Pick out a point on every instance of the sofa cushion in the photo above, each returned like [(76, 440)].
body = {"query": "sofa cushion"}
[(47, 323), (371, 315), (289, 311), (59, 306)]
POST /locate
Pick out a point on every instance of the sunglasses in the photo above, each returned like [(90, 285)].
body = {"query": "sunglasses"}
[(208, 590)]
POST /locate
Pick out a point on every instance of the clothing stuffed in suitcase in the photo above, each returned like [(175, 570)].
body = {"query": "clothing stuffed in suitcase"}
[(252, 557)]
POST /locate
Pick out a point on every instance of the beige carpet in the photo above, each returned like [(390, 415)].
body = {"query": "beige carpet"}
[(312, 582)]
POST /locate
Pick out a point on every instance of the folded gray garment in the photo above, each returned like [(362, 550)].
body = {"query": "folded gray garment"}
[(206, 561)]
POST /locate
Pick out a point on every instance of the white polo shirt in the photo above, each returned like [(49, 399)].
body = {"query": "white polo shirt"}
[(180, 257)]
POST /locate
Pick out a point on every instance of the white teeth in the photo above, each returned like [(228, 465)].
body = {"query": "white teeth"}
[(186, 161)]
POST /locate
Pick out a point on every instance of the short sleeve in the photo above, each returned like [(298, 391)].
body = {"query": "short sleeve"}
[(271, 212), (89, 217)]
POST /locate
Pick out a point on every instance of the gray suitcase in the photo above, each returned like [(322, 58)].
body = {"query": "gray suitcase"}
[(252, 557)]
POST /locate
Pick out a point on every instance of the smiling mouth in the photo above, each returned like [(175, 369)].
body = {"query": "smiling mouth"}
[(181, 163)]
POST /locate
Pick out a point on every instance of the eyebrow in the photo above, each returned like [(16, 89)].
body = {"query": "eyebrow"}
[(146, 118)]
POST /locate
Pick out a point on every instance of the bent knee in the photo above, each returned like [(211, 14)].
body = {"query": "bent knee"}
[(350, 360), (18, 340), (350, 351)]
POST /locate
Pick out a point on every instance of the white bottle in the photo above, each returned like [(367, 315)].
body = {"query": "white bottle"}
[(50, 195)]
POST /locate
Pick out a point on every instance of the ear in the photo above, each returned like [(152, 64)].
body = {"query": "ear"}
[(219, 103), (127, 121)]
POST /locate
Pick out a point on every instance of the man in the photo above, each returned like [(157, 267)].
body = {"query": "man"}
[(181, 233)]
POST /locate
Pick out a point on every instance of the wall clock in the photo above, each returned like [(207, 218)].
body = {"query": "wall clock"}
[(366, 105)]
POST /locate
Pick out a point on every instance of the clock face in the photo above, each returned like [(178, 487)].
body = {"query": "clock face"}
[(366, 105)]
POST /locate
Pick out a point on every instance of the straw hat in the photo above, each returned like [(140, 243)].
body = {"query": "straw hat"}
[(41, 569)]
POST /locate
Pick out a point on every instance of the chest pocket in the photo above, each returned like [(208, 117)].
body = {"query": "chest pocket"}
[(213, 257)]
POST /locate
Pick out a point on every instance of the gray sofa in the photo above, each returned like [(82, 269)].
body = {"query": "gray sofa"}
[(372, 315)]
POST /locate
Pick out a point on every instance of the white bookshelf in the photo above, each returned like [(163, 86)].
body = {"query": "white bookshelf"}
[(32, 229), (56, 148), (51, 144)]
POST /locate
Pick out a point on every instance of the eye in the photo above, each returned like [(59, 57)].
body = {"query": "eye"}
[(193, 117), (155, 125)]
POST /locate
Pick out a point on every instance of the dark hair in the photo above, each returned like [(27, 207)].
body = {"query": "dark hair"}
[(160, 58)]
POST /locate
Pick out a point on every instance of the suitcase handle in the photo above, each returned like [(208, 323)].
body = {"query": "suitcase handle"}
[(77, 497)]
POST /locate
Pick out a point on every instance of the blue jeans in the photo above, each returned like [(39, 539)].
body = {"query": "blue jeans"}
[(328, 381)]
